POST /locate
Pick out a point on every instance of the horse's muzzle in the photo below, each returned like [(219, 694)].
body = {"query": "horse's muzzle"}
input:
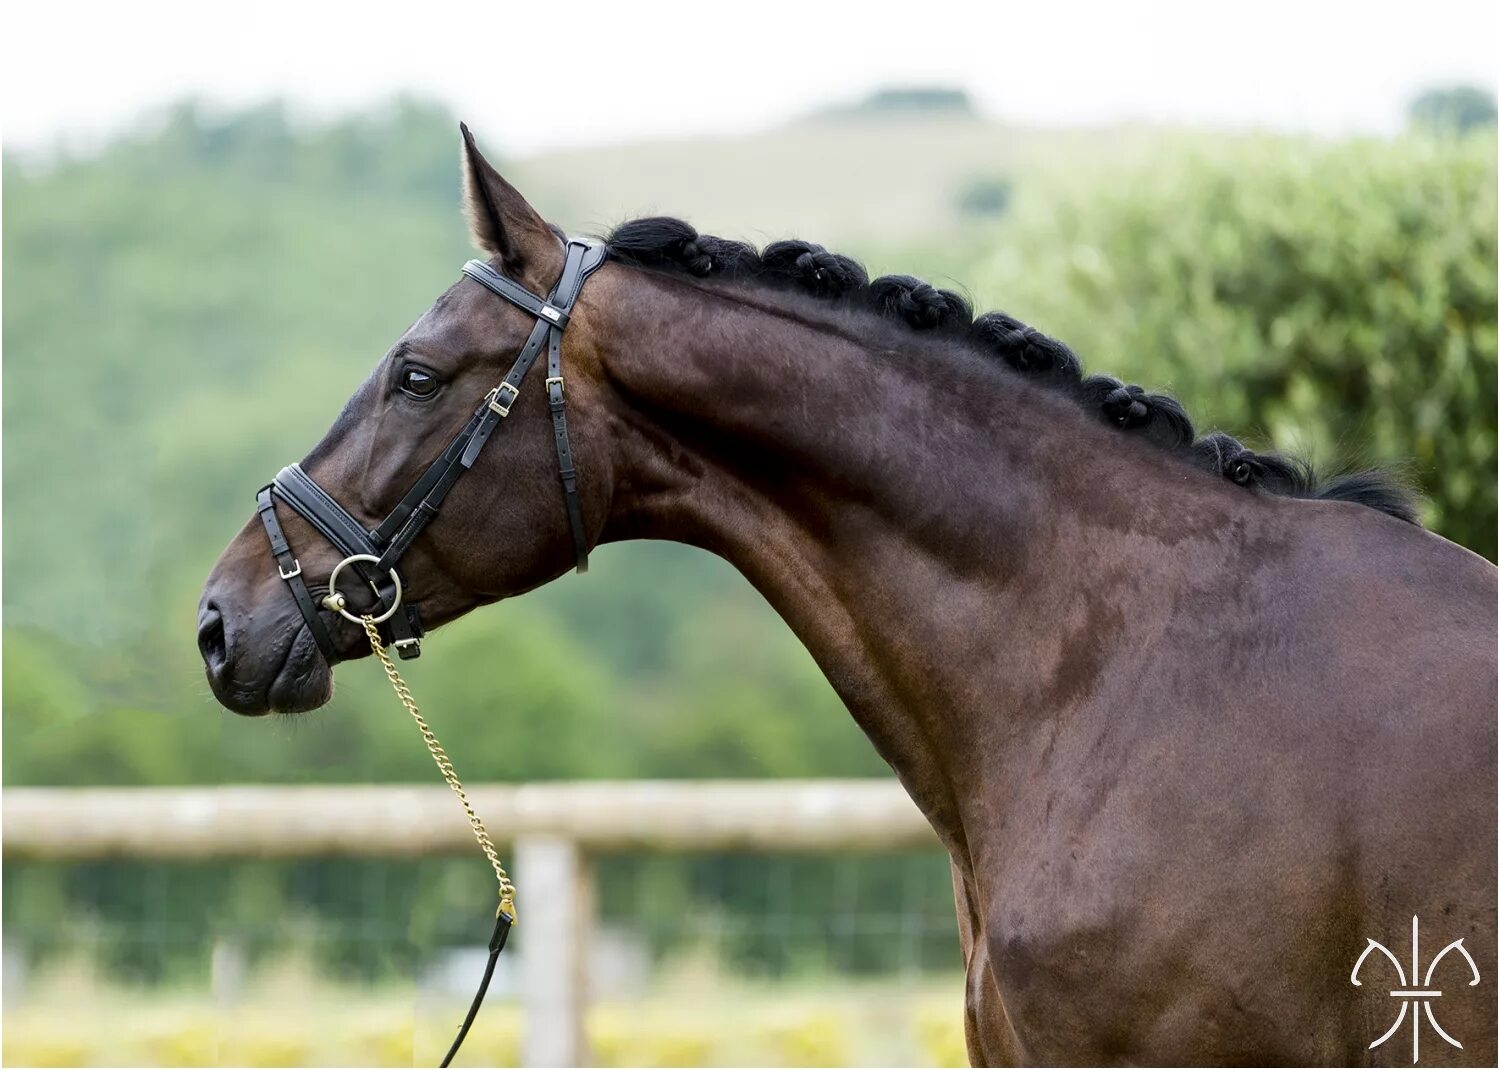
[(261, 663)]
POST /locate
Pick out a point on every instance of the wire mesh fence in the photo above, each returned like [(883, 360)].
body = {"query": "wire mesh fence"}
[(756, 916), (663, 923), (794, 957)]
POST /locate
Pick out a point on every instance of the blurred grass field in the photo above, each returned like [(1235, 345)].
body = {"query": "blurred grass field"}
[(291, 1018)]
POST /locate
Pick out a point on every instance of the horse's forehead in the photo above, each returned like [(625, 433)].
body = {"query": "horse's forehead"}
[(450, 313), (464, 320)]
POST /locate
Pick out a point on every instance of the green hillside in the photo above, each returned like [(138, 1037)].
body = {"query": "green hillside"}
[(855, 181)]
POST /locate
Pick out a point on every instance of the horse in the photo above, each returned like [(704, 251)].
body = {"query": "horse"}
[(1195, 725)]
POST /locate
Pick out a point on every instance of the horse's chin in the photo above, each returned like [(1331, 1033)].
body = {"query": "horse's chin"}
[(302, 682), (305, 681)]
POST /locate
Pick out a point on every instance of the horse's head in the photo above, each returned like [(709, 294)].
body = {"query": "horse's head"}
[(502, 529)]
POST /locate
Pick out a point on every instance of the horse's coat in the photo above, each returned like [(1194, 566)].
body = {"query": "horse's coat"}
[(1189, 746)]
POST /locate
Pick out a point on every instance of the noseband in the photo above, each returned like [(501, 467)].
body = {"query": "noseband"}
[(373, 554)]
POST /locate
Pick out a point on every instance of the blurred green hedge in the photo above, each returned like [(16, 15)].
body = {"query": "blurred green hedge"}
[(1336, 299)]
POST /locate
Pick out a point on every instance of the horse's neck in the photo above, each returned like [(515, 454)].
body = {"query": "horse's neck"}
[(917, 518)]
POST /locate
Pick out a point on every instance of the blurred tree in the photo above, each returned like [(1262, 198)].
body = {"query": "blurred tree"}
[(1340, 298), (906, 100), (986, 197), (917, 98), (1453, 110)]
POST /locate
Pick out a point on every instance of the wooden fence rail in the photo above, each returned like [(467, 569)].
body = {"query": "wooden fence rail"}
[(551, 829)]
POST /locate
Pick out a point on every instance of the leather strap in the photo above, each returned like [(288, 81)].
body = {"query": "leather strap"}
[(318, 508), (499, 401), (589, 258), (518, 295), (497, 945), (291, 571), (393, 529)]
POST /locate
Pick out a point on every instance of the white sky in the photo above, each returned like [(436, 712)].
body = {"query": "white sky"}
[(540, 74)]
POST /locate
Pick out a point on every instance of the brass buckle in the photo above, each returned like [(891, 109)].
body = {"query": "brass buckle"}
[(555, 379), (494, 398)]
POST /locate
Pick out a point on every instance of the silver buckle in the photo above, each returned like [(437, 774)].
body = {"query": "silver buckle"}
[(296, 570), (555, 379), (494, 398), (407, 649)]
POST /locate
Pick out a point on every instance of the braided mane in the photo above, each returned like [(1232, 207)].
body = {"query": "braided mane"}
[(667, 244)]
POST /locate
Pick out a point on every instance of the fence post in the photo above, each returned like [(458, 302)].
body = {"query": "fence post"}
[(555, 907)]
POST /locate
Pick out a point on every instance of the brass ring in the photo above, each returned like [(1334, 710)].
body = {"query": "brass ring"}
[(335, 600)]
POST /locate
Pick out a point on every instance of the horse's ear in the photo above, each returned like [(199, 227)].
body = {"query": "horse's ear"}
[(502, 224)]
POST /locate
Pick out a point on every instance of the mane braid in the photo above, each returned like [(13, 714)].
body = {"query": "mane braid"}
[(666, 244)]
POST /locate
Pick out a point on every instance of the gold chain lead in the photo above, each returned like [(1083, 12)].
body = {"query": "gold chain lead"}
[(440, 756)]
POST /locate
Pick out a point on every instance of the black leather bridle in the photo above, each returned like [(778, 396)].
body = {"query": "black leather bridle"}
[(373, 554)]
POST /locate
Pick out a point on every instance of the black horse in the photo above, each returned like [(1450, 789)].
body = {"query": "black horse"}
[(1194, 726)]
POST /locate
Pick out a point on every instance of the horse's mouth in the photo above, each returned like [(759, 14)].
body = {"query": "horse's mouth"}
[(303, 682)]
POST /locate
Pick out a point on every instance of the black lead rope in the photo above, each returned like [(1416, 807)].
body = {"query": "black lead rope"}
[(497, 945)]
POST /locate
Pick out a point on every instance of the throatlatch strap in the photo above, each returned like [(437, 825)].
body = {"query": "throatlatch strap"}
[(558, 405), (575, 272)]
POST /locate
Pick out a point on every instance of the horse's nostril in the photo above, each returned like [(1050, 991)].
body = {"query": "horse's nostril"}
[(211, 638)]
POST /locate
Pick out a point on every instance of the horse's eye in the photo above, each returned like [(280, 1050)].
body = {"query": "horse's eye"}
[(419, 383)]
